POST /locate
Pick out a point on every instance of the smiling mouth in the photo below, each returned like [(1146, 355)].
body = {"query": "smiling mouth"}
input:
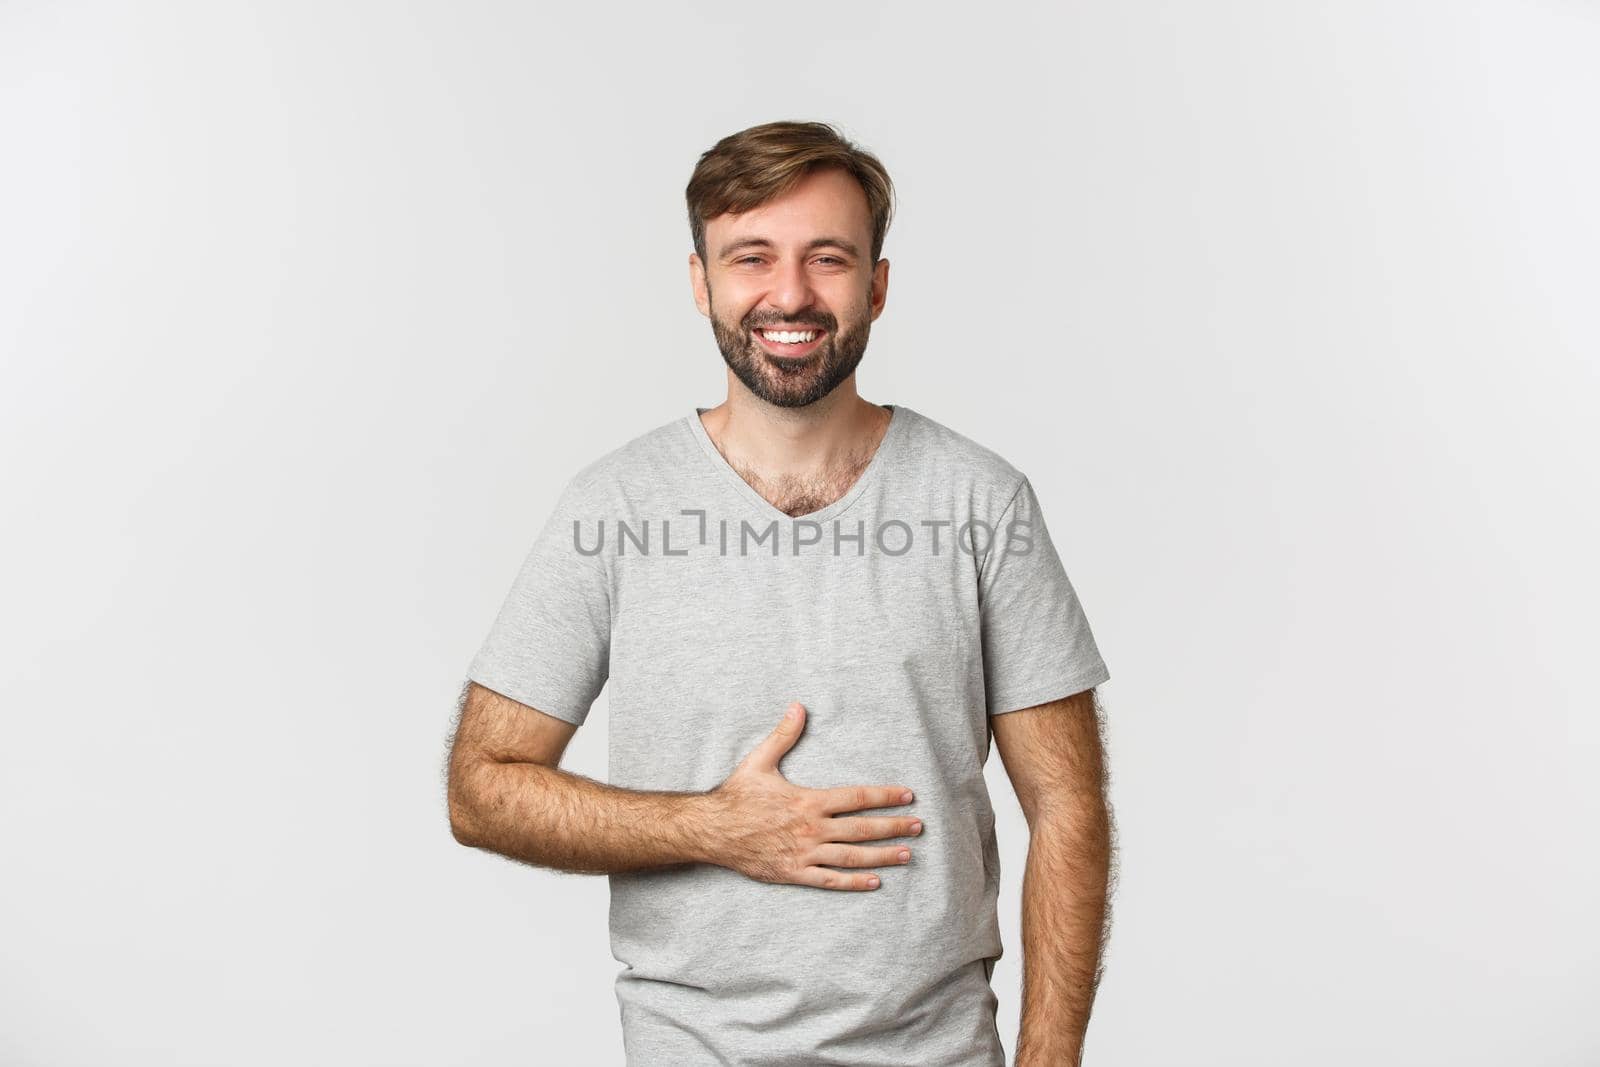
[(790, 343)]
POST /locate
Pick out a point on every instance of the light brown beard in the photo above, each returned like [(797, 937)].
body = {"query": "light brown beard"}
[(749, 363)]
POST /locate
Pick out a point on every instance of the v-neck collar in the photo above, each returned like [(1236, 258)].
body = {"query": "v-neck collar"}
[(899, 415)]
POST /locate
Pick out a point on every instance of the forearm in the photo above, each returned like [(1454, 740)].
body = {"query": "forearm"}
[(552, 818), (1064, 912)]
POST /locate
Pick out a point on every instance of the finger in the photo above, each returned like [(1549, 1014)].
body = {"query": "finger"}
[(773, 747), (870, 827), (827, 878), (864, 797), (858, 856)]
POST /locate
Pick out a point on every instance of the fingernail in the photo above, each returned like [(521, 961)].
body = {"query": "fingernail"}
[(905, 854), (792, 713), (873, 882), (905, 798), (916, 828)]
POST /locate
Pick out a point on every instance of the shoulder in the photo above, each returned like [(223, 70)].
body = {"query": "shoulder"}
[(639, 462), (954, 459)]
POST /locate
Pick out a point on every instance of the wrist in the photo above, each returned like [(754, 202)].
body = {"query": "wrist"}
[(700, 816)]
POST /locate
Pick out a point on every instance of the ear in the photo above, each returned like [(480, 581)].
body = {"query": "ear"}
[(880, 287), (697, 282)]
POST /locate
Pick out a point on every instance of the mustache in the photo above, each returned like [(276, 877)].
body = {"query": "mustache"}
[(827, 323)]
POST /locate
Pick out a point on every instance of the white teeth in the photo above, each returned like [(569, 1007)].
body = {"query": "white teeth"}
[(789, 337)]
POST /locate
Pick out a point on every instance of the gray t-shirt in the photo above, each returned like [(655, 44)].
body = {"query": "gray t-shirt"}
[(927, 598)]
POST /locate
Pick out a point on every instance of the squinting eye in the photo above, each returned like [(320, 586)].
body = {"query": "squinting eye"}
[(829, 259), (750, 259)]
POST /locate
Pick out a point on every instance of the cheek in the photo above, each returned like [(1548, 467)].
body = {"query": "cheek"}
[(728, 303), (849, 304)]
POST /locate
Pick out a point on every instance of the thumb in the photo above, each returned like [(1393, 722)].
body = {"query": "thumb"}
[(773, 747)]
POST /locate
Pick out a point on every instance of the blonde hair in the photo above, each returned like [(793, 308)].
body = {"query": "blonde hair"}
[(747, 169)]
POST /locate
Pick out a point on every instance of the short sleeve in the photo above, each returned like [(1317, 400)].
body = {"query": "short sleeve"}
[(550, 645), (1037, 645)]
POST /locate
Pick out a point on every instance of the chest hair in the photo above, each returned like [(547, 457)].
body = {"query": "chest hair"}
[(795, 496)]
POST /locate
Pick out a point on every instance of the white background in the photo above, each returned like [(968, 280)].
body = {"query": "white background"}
[(1288, 310)]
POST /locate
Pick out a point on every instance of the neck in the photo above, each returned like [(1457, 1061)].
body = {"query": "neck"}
[(832, 435)]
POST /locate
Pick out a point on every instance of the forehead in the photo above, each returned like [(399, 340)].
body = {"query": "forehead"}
[(825, 202)]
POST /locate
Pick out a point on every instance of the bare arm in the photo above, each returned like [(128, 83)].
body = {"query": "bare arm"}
[(507, 795), (1054, 758)]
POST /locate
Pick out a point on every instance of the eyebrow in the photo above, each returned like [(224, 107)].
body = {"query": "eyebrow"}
[(847, 247)]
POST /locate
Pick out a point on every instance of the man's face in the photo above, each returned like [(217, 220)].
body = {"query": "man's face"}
[(795, 265)]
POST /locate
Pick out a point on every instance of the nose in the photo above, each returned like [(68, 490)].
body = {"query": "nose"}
[(791, 288)]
